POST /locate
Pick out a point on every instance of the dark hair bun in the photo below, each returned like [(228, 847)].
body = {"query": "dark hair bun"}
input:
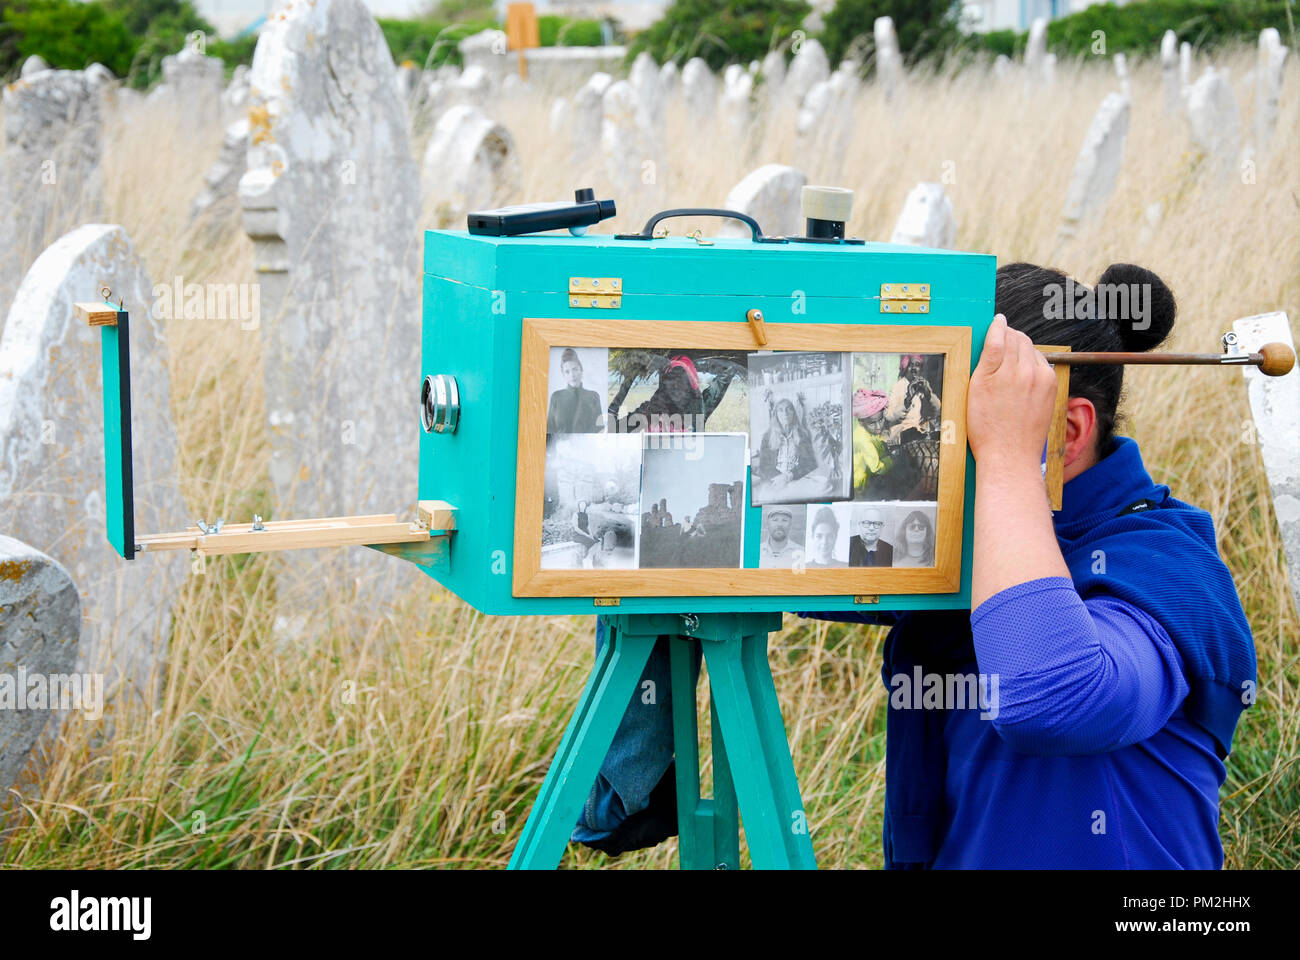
[(1138, 303)]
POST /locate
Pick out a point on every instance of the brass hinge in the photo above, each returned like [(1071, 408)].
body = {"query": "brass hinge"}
[(606, 601), (867, 598), (904, 298), (603, 293)]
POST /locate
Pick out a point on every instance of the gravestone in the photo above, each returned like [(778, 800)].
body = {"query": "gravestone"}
[(218, 198), (559, 119), (487, 51), (736, 104), (813, 111), (469, 164), (773, 69), (40, 627), (1036, 54), (1268, 84), (1121, 74), (331, 201), (32, 66), (1214, 120), (927, 219), (589, 111), (1097, 166), (809, 67), (52, 447), (1002, 67), (889, 62), (1275, 409), (1169, 72), (670, 81), (1184, 67), (626, 135), (644, 77), (195, 83), (49, 172), (700, 88), (770, 195)]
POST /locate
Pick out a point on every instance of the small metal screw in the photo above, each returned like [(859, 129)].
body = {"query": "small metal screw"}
[(257, 523), (692, 623), (596, 282), (616, 283), (595, 303)]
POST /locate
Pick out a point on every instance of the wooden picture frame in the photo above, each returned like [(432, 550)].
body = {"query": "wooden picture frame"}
[(540, 334)]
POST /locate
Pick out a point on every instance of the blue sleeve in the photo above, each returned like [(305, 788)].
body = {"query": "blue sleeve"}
[(1074, 676)]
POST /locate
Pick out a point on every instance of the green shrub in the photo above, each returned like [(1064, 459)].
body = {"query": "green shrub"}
[(925, 28), (1138, 27), (69, 35), (553, 31), (720, 31)]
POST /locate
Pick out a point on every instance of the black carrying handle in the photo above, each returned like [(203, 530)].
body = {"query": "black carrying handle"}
[(647, 232)]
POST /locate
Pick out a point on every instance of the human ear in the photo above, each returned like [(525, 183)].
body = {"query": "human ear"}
[(1080, 433)]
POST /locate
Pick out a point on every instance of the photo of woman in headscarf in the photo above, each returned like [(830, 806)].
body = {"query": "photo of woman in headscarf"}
[(690, 391), (914, 542), (872, 461)]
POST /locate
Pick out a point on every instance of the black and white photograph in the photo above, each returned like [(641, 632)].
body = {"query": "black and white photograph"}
[(576, 383), (799, 427), (782, 542), (871, 535), (693, 500), (589, 520), (653, 390), (897, 425), (827, 535), (914, 534)]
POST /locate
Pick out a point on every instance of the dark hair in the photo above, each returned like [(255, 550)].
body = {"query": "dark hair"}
[(929, 534), (827, 516), (1037, 301)]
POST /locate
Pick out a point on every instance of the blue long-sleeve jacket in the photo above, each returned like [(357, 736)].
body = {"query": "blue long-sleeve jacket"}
[(1111, 697)]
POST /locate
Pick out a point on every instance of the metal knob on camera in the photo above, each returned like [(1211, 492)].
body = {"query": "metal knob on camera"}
[(439, 404)]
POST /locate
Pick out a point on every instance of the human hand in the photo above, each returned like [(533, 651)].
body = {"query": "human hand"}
[(1010, 399)]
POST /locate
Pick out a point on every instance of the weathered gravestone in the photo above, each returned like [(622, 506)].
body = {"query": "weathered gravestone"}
[(700, 88), (40, 625), (50, 177), (331, 200), (1275, 409), (1169, 72), (889, 61), (809, 67), (770, 195), (927, 219), (1036, 55), (217, 199), (469, 164), (627, 137), (1214, 120), (1268, 84), (52, 446), (1097, 166)]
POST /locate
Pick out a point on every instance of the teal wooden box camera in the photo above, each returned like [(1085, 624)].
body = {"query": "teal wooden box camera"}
[(479, 291)]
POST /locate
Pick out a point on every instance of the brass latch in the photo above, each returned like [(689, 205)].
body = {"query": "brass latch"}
[(606, 601), (603, 293), (867, 598), (904, 298)]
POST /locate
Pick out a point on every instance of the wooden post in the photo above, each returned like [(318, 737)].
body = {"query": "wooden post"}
[(522, 32)]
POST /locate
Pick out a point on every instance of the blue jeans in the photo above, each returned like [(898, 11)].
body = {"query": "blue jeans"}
[(641, 751)]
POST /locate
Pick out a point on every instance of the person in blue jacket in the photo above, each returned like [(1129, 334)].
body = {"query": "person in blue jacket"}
[(1109, 644)]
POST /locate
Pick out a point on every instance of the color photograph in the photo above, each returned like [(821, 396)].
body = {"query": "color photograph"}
[(897, 425), (654, 390)]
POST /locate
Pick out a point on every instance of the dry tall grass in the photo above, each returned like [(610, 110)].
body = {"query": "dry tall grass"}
[(419, 737)]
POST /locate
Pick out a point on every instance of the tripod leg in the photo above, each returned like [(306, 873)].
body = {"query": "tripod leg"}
[(582, 750), (776, 751), (726, 821), (695, 844), (765, 820)]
